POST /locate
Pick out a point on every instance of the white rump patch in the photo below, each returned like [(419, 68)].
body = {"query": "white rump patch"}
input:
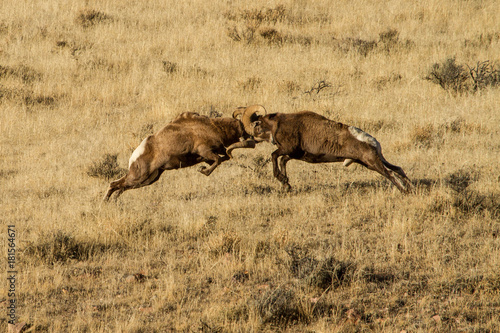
[(364, 137), (137, 152)]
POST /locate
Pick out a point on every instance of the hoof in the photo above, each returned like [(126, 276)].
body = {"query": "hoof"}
[(282, 178), (204, 170), (287, 188)]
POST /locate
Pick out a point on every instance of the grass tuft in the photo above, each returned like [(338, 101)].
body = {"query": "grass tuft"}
[(331, 273), (460, 180), (424, 136), (25, 73), (282, 307), (62, 247), (471, 203), (90, 17)]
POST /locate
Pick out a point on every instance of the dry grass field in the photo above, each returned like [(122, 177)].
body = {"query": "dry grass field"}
[(83, 82)]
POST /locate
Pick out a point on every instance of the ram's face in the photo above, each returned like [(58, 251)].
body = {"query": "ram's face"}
[(262, 131)]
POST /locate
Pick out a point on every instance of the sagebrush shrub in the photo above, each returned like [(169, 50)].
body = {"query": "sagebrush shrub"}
[(449, 75), (459, 79), (106, 168)]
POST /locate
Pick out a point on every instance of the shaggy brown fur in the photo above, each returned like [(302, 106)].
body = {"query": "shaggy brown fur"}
[(188, 140), (312, 138)]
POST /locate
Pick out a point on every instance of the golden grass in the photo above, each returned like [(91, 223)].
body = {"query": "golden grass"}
[(81, 83)]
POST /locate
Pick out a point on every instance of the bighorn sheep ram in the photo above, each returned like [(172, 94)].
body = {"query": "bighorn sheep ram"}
[(188, 140), (312, 138)]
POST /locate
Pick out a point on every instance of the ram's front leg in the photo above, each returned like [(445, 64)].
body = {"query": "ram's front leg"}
[(208, 155), (249, 143), (278, 174)]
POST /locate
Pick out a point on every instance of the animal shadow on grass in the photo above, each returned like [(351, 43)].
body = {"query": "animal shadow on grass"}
[(424, 185), (362, 186)]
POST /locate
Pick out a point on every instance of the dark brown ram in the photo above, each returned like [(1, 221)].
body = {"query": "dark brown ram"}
[(310, 137), (187, 140)]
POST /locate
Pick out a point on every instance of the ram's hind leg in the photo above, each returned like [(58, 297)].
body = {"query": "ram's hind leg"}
[(133, 179), (399, 175), (376, 164)]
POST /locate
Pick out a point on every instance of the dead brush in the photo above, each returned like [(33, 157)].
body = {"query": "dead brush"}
[(460, 180), (424, 136), (31, 100), (288, 86), (324, 274), (331, 273), (484, 75), (459, 125), (449, 75), (356, 45), (169, 66), (90, 17), (246, 33), (106, 168), (318, 86), (383, 82), (272, 36), (389, 42), (265, 14), (301, 264), (470, 203), (228, 243), (428, 135), (461, 79), (250, 84), (282, 307), (27, 98), (483, 40), (25, 73), (249, 21), (61, 247)]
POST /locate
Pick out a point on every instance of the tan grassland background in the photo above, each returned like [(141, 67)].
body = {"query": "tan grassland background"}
[(83, 82)]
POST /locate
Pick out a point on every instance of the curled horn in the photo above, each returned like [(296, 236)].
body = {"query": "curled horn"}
[(238, 112), (250, 114)]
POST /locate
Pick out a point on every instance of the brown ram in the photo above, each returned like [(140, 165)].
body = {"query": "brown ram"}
[(188, 140), (312, 138)]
